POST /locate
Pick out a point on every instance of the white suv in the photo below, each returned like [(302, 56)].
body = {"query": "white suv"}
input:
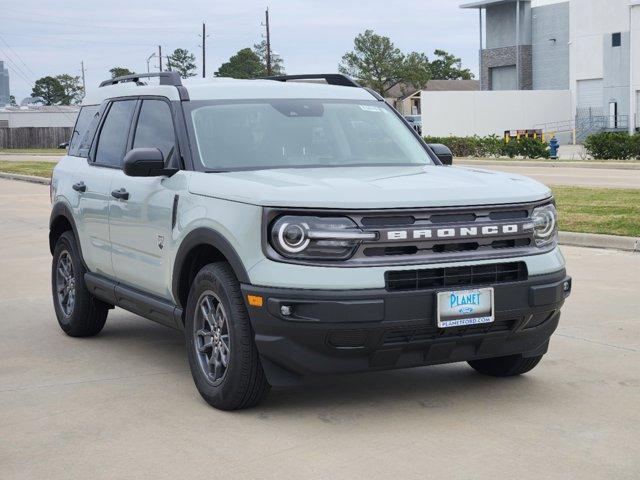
[(294, 229)]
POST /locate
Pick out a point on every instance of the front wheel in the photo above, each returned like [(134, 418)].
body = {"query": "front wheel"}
[(79, 313), (221, 350), (505, 366)]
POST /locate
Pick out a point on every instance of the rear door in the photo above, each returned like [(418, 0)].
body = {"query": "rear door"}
[(91, 191), (141, 225)]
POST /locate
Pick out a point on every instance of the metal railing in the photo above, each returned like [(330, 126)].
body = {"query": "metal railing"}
[(587, 122)]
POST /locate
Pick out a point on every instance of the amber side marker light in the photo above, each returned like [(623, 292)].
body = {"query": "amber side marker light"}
[(255, 300)]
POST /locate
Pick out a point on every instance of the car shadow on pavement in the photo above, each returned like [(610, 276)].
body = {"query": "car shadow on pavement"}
[(434, 387), (431, 387)]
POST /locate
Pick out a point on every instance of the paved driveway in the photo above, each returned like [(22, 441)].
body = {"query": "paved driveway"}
[(122, 404)]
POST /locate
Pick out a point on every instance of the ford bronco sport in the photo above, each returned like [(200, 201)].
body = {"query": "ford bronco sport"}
[(296, 226)]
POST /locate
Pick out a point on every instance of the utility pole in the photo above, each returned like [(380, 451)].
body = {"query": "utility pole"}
[(204, 50), (269, 69), (160, 56), (84, 85)]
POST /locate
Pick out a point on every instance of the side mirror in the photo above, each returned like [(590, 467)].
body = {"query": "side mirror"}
[(442, 152), (145, 162)]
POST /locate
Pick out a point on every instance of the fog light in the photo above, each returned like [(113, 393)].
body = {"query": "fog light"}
[(286, 310), (566, 286)]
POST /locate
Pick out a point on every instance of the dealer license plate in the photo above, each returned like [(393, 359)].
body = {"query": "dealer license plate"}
[(465, 307)]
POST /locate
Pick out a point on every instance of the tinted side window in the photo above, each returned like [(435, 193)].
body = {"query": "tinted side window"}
[(155, 128), (81, 129), (113, 136)]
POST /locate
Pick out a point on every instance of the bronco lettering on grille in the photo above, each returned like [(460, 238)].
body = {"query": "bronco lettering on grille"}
[(451, 233)]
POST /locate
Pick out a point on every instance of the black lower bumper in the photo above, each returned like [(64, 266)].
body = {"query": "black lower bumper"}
[(358, 330)]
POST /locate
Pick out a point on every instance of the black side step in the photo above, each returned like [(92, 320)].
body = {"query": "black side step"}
[(134, 300)]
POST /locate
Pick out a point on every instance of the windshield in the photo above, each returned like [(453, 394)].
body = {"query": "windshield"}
[(293, 133)]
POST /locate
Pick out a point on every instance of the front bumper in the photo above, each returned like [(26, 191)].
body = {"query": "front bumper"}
[(332, 331)]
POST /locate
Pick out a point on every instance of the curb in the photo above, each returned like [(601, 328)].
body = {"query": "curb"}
[(595, 240), (25, 178), (532, 163)]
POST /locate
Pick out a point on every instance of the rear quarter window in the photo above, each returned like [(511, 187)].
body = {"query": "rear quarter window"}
[(84, 130)]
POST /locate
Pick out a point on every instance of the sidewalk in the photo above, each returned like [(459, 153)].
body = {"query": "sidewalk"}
[(600, 164), (31, 157)]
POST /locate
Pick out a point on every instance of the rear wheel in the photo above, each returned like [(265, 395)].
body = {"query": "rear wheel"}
[(505, 366), (221, 350), (79, 313)]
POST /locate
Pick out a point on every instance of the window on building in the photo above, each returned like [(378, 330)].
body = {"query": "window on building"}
[(616, 39)]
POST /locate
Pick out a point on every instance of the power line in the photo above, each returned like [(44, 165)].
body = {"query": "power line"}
[(130, 26), (21, 74), (17, 55), (77, 41)]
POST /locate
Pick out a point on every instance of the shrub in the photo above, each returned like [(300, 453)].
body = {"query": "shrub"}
[(493, 146), (607, 145), (529, 147)]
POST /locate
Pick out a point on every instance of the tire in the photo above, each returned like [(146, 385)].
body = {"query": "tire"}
[(222, 354), (85, 315), (505, 366)]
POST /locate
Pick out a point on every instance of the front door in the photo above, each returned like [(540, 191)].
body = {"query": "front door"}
[(141, 225), (92, 181)]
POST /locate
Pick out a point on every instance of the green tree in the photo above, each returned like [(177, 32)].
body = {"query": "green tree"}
[(120, 72), (73, 91), (182, 62), (244, 64), (376, 62), (448, 67), (277, 64), (12, 101), (49, 90)]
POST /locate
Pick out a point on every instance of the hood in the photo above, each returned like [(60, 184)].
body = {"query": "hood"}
[(369, 187)]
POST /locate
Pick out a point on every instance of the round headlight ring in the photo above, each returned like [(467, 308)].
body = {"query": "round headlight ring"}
[(293, 229), (544, 223)]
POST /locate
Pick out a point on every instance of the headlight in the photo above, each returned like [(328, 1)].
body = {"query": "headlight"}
[(330, 238), (544, 224)]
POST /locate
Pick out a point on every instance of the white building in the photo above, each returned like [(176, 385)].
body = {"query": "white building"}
[(571, 65), (38, 116)]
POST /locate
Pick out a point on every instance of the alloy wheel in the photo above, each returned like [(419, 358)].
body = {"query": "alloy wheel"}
[(211, 336), (65, 283)]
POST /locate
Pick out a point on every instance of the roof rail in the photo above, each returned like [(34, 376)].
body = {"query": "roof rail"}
[(166, 78), (330, 78)]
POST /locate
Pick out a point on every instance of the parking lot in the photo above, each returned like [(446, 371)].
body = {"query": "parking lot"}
[(123, 405)]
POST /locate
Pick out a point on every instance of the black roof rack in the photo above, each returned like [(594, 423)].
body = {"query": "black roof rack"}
[(330, 78), (166, 78)]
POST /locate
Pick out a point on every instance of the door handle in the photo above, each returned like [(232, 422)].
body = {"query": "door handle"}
[(120, 194), (80, 187)]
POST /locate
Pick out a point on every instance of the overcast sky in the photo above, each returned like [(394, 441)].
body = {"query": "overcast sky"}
[(51, 37)]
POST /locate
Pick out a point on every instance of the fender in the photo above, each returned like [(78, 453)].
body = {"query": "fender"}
[(62, 210), (206, 236)]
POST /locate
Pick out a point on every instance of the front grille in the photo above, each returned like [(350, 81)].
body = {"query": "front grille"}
[(467, 276), (455, 233)]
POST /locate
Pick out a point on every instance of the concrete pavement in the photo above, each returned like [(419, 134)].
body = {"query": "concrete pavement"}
[(578, 176), (123, 405)]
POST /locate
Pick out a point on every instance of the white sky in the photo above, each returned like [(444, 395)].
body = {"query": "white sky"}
[(50, 37)]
